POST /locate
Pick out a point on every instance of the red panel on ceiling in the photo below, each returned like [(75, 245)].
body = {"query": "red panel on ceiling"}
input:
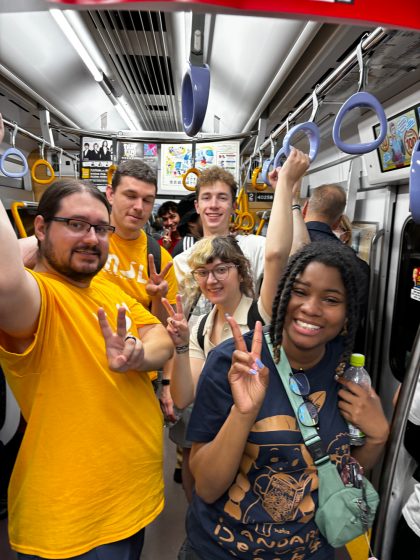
[(405, 14)]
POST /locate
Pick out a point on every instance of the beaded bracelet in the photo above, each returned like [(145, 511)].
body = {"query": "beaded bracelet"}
[(182, 349)]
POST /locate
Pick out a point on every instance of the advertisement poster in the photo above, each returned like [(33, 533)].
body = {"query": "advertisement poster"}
[(403, 131), (132, 150), (95, 159), (177, 160)]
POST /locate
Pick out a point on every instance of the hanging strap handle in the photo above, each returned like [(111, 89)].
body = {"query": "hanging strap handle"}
[(310, 435)]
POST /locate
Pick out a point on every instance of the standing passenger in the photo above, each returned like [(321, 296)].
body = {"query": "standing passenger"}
[(215, 204), (256, 484), (88, 476)]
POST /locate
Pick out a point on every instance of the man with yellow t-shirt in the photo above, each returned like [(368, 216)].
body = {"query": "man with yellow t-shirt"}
[(132, 195), (76, 350)]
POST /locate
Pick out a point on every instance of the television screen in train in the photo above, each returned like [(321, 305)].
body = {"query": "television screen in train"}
[(403, 131)]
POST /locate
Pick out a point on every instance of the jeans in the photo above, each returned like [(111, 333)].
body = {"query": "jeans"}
[(127, 549)]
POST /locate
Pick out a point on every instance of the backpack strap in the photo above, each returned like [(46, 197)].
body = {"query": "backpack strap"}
[(254, 316), (153, 248), (200, 331)]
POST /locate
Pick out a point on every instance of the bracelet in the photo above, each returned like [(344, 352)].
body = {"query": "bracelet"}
[(165, 381), (296, 207), (182, 349)]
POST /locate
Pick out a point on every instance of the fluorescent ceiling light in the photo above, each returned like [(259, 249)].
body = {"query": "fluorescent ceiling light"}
[(125, 116), (69, 32)]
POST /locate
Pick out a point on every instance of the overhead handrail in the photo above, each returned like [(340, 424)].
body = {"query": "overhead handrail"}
[(191, 171), (38, 163), (358, 100), (38, 139), (309, 128), (330, 81), (13, 151), (14, 208)]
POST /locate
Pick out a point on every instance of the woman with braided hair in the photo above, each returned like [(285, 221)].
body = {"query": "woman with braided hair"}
[(256, 490)]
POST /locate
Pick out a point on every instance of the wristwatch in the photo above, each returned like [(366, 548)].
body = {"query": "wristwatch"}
[(165, 381)]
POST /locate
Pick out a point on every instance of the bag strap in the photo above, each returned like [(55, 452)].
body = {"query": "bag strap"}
[(153, 248), (200, 331), (310, 435)]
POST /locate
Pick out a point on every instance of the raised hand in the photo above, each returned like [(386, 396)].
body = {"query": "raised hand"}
[(166, 238), (123, 351), (248, 377), (157, 285), (177, 322), (292, 170)]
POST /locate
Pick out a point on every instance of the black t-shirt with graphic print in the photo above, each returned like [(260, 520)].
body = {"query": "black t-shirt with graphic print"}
[(268, 512)]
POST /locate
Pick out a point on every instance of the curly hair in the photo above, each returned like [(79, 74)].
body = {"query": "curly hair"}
[(213, 174), (225, 248), (331, 254)]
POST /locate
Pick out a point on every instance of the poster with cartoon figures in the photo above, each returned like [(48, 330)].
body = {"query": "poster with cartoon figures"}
[(415, 290), (177, 160), (403, 131)]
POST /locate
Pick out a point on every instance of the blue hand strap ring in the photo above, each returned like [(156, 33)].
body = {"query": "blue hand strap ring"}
[(312, 132), (16, 174), (360, 99), (277, 160), (195, 97), (265, 170), (415, 183)]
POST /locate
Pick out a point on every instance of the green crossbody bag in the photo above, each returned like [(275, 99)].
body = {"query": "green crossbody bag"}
[(344, 511)]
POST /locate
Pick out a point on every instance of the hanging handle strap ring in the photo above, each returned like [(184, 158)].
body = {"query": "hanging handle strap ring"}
[(256, 173), (415, 183), (309, 128), (195, 97), (38, 163), (358, 100), (13, 152), (268, 165), (191, 171)]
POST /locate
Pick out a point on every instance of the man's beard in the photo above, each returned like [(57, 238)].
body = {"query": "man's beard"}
[(49, 254)]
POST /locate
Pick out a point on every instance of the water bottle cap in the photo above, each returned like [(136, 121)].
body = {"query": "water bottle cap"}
[(357, 360)]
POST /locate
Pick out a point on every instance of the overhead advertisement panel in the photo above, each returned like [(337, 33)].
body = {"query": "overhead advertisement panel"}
[(376, 12)]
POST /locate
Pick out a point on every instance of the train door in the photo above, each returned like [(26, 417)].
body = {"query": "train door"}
[(397, 361)]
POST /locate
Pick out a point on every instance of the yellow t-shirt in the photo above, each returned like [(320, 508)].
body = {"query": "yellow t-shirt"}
[(89, 470), (127, 267)]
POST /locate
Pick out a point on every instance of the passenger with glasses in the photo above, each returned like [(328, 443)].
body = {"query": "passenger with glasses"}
[(256, 486), (221, 272), (76, 351)]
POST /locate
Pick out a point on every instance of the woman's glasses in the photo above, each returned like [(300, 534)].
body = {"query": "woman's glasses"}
[(307, 411), (220, 272)]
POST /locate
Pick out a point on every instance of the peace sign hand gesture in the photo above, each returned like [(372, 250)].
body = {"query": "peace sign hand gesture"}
[(177, 322), (248, 377), (124, 352), (157, 285)]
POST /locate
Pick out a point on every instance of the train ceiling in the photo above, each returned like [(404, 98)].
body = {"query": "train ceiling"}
[(261, 67)]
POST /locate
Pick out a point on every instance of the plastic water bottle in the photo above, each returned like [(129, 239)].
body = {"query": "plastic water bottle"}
[(357, 373)]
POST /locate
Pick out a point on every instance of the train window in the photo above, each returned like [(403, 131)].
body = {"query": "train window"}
[(406, 316)]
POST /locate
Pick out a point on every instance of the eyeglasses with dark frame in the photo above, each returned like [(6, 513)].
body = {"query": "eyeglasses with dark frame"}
[(220, 272), (307, 411), (81, 227)]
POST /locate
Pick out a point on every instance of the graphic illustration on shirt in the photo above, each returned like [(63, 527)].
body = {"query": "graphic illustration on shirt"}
[(113, 266), (283, 496)]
